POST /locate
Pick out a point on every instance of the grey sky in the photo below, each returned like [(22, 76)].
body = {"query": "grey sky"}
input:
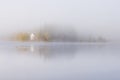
[(100, 17)]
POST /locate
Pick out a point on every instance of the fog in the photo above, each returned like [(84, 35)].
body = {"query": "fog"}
[(89, 17)]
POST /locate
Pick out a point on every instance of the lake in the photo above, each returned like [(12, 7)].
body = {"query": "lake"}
[(59, 61)]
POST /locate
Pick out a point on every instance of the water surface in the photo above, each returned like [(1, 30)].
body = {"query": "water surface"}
[(39, 61)]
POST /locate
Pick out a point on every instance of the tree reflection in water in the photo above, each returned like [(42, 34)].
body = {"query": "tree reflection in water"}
[(51, 51), (59, 51)]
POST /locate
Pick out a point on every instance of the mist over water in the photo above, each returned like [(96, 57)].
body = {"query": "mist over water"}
[(63, 20), (86, 17)]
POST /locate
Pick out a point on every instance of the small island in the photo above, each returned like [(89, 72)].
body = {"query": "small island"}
[(49, 34)]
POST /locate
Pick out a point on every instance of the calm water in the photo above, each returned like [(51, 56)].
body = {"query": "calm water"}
[(28, 61)]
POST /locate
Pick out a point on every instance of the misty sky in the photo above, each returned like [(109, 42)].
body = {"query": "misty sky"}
[(101, 17)]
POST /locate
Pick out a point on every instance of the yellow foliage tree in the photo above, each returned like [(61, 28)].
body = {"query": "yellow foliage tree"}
[(22, 37)]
